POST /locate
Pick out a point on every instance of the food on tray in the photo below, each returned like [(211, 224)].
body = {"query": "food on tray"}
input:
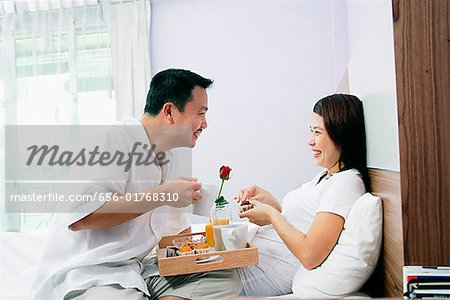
[(186, 248), (189, 245), (188, 240), (201, 246), (245, 202)]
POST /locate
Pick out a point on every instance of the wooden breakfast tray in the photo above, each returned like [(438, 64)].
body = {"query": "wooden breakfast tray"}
[(228, 259)]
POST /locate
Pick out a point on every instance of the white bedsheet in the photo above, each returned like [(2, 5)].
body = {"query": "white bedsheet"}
[(19, 254)]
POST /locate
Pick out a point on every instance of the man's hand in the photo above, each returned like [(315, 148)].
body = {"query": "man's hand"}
[(259, 194), (187, 190), (113, 213)]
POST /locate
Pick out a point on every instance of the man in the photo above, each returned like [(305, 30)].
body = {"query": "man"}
[(96, 252)]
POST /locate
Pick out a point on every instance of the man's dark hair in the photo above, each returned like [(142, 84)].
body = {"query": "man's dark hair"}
[(343, 117), (173, 85)]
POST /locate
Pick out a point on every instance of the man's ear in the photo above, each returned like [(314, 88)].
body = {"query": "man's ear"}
[(167, 111)]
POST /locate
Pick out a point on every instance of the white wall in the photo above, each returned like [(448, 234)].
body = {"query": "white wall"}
[(371, 71), (271, 61)]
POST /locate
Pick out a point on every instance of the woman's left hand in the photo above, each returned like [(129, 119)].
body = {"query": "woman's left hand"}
[(258, 213)]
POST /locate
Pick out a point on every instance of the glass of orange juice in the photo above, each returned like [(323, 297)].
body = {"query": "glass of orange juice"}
[(219, 215), (209, 234)]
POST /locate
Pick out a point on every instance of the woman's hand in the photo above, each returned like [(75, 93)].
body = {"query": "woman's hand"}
[(259, 194), (258, 213)]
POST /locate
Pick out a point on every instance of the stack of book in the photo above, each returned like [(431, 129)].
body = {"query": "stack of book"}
[(426, 282)]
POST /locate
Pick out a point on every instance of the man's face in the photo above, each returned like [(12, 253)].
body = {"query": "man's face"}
[(194, 114)]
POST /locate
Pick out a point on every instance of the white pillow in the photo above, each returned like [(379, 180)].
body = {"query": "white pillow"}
[(352, 260)]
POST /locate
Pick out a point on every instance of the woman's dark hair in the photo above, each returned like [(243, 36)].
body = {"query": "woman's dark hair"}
[(174, 85), (343, 117)]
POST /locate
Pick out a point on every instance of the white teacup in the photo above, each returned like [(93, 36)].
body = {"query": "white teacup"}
[(234, 236), (203, 207)]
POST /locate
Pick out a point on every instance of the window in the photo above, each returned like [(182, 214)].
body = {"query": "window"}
[(55, 73)]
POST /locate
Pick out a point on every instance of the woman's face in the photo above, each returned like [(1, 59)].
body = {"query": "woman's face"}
[(325, 153)]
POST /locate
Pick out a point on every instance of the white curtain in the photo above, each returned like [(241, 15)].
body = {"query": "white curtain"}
[(129, 27), (68, 63)]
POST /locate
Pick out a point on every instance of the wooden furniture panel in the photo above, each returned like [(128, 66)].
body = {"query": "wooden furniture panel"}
[(422, 58)]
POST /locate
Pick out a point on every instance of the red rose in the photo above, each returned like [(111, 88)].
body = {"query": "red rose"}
[(224, 172)]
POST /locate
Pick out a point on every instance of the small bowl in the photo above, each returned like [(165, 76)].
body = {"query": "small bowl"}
[(187, 253), (203, 250)]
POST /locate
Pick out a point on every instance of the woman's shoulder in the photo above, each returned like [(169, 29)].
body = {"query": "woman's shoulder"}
[(350, 173), (348, 178)]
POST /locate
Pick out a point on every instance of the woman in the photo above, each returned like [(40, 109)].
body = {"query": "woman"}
[(305, 229), (307, 226)]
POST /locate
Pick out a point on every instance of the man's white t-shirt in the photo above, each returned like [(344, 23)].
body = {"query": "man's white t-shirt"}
[(335, 194), (78, 260)]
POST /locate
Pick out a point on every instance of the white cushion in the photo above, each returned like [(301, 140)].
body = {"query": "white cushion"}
[(352, 260)]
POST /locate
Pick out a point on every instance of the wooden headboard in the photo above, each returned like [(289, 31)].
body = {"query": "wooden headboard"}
[(387, 278)]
